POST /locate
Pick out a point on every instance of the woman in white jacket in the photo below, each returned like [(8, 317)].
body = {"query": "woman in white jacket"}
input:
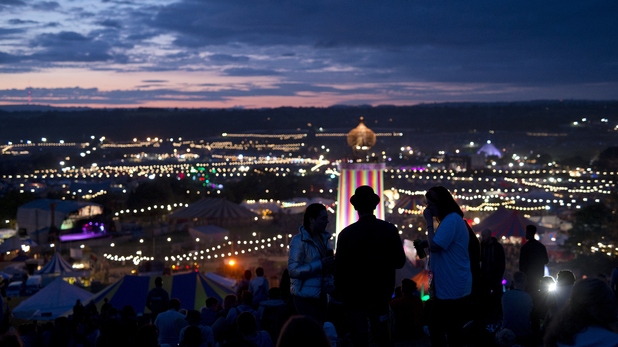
[(311, 264)]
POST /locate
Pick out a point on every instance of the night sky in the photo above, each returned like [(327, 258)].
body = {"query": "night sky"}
[(234, 53)]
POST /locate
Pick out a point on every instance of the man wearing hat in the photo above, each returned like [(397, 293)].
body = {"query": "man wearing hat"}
[(368, 253)]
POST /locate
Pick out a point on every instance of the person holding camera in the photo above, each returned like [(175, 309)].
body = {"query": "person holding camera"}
[(450, 266), (311, 264)]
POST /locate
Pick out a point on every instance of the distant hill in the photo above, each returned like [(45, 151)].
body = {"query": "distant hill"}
[(77, 124)]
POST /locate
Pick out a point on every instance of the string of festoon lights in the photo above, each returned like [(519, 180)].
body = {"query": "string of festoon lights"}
[(168, 207), (507, 202), (209, 253)]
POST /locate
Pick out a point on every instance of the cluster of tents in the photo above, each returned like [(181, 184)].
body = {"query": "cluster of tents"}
[(58, 297)]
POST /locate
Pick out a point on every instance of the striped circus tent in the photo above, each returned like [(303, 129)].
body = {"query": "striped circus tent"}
[(57, 266), (409, 204), (192, 289), (507, 223), (218, 211)]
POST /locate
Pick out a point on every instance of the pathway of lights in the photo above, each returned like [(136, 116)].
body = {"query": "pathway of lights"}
[(210, 252)]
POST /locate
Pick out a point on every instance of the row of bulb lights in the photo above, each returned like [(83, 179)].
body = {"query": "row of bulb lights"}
[(213, 252)]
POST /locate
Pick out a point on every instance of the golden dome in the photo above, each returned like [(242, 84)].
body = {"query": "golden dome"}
[(361, 137)]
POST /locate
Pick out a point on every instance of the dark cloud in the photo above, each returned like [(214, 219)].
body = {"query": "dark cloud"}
[(155, 81), (12, 3), (506, 42), (68, 46), (46, 5), (110, 23), (8, 58), (249, 72), (17, 21), (12, 31), (227, 58)]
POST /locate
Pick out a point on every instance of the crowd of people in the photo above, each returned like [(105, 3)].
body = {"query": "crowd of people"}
[(348, 296)]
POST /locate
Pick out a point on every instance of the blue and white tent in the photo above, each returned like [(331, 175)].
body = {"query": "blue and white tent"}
[(57, 266)]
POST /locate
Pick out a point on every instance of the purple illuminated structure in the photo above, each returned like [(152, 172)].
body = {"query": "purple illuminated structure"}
[(90, 230)]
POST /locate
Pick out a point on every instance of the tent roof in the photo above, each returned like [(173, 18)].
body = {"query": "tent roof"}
[(507, 223), (208, 230), (191, 288), (54, 300), (58, 266), (213, 208), (489, 149), (66, 206), (13, 243)]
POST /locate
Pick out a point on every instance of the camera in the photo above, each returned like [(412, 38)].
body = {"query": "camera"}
[(420, 248)]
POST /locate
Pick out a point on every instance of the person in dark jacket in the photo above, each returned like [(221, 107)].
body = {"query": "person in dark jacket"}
[(492, 272), (368, 253), (532, 260), (158, 299)]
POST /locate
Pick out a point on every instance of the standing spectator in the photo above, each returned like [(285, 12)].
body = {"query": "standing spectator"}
[(532, 260), (259, 288), (517, 308), (170, 323), (157, 300), (193, 319), (243, 284), (311, 264), (492, 272), (586, 319), (450, 265), (209, 312), (368, 253), (407, 312), (272, 313)]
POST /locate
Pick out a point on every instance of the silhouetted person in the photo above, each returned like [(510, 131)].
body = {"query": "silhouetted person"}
[(368, 253), (493, 263), (259, 288), (407, 312), (158, 299), (208, 314), (517, 308), (207, 337), (244, 283), (170, 323), (532, 260)]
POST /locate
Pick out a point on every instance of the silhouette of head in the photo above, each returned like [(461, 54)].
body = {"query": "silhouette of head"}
[(364, 199), (530, 232)]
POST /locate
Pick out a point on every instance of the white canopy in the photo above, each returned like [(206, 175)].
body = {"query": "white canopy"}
[(54, 300)]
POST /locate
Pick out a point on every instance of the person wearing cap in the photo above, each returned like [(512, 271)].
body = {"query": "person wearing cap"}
[(193, 318), (368, 253)]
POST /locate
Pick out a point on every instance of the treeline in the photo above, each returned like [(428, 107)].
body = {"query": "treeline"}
[(125, 124)]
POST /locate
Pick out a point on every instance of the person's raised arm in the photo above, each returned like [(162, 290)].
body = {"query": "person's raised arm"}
[(433, 247)]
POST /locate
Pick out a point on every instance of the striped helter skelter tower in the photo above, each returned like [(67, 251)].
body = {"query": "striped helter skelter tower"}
[(358, 172)]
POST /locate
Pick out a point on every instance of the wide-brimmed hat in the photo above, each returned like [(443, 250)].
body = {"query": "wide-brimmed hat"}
[(364, 198)]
